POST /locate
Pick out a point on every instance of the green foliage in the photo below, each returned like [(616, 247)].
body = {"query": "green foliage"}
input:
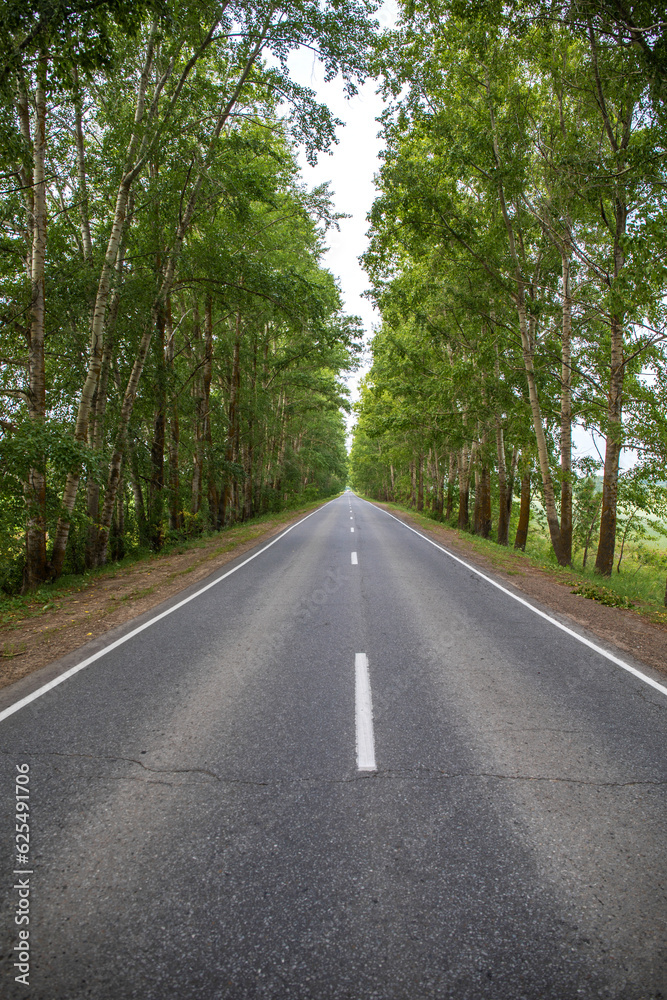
[(217, 299), (603, 595), (519, 148)]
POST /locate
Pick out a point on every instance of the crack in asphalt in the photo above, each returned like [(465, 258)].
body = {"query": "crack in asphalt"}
[(381, 775), (127, 760), (534, 777), (510, 727)]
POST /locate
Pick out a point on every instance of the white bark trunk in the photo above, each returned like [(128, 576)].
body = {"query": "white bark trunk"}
[(35, 487)]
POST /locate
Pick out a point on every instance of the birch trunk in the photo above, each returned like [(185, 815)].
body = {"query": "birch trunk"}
[(528, 350), (118, 527), (483, 505), (487, 522), (146, 133), (175, 517), (542, 450), (510, 481), (26, 173), (503, 511), (589, 535), (212, 490), (477, 508), (464, 489), (451, 479), (96, 425), (247, 483), (35, 569), (198, 393), (503, 508), (566, 416), (281, 446), (156, 491), (86, 239), (438, 485), (604, 562), (165, 290), (618, 132), (139, 508), (99, 311), (524, 513), (234, 389)]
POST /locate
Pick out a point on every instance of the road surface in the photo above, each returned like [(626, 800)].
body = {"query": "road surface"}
[(351, 768)]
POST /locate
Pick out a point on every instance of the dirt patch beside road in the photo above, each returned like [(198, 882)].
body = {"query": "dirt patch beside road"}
[(33, 637)]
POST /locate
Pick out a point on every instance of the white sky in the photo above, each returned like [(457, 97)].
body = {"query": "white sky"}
[(350, 169)]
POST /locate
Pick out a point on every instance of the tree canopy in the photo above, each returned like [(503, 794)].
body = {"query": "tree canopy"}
[(517, 257), (173, 350)]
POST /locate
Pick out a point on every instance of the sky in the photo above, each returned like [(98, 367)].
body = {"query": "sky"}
[(349, 169)]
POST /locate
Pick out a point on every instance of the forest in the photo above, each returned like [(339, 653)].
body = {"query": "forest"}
[(173, 352), (518, 260)]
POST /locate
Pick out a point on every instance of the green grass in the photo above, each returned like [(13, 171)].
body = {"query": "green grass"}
[(604, 595), (641, 579), (12, 650)]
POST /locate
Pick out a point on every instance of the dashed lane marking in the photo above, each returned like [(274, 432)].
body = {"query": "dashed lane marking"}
[(364, 715)]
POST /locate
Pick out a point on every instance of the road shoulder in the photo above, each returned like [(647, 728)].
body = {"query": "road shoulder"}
[(86, 614)]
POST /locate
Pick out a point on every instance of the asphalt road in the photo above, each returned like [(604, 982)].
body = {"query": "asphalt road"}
[(215, 813)]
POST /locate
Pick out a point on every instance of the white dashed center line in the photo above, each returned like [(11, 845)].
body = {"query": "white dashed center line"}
[(352, 529), (364, 715), (355, 561)]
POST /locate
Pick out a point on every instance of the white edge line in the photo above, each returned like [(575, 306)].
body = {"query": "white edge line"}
[(580, 638), (364, 715), (130, 635)]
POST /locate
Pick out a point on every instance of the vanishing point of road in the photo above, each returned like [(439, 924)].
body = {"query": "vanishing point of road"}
[(347, 766)]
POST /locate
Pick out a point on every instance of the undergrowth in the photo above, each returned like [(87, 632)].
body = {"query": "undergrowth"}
[(603, 595)]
